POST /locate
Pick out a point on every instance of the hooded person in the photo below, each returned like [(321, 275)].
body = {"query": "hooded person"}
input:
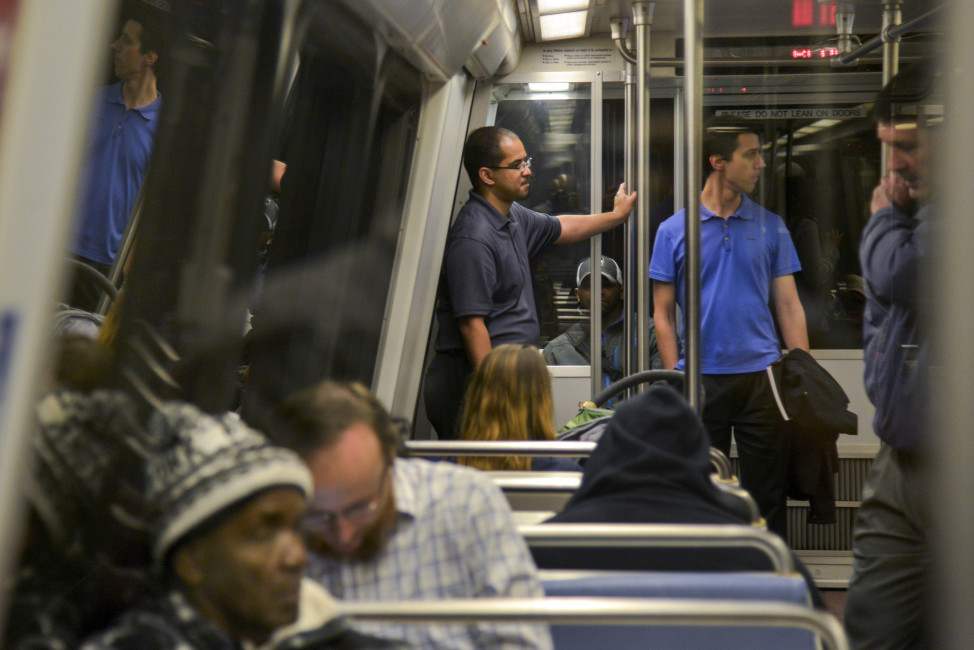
[(652, 465)]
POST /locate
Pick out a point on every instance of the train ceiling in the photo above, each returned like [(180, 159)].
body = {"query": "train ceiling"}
[(721, 17)]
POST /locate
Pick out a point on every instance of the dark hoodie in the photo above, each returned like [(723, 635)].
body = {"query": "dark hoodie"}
[(652, 465)]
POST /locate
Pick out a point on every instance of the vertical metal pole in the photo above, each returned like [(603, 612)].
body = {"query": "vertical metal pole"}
[(595, 280), (693, 91), (643, 19), (632, 232), (892, 16), (679, 153)]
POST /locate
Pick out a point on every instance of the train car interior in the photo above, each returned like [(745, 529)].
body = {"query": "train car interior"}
[(233, 288)]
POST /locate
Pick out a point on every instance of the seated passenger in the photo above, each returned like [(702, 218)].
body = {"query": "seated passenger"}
[(387, 528), (225, 508), (81, 559), (573, 346), (652, 465), (509, 398)]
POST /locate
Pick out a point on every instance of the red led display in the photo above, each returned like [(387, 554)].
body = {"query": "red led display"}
[(809, 53), (803, 13), (827, 14)]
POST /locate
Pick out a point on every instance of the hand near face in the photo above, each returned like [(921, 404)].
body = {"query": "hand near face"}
[(892, 189)]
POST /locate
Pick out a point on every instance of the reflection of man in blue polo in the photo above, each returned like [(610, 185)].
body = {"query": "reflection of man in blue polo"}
[(747, 261), (485, 297), (120, 145)]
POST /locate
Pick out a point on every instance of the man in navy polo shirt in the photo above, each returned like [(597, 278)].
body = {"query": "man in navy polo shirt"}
[(747, 260), (485, 297), (124, 128)]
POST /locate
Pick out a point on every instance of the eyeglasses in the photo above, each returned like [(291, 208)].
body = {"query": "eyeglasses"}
[(358, 513), (521, 166)]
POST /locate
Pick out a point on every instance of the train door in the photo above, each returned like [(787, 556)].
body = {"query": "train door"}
[(571, 123)]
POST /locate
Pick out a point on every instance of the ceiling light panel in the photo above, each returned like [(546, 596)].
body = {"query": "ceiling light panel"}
[(559, 6), (549, 87), (568, 25)]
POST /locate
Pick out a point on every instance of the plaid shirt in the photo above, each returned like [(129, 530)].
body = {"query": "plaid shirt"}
[(455, 538)]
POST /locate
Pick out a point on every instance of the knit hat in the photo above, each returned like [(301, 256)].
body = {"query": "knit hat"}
[(84, 448), (210, 464)]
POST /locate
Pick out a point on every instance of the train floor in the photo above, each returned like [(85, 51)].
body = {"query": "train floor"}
[(835, 601)]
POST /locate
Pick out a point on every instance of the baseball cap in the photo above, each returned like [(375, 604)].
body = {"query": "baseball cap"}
[(610, 270)]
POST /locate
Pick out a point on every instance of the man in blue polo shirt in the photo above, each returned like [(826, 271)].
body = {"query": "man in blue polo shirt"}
[(120, 145), (747, 261), (485, 297)]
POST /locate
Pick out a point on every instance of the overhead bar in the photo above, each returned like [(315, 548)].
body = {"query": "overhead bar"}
[(889, 33), (620, 28)]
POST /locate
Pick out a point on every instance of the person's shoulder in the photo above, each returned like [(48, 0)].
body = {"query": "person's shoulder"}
[(673, 223), (138, 629), (444, 485), (523, 213), (570, 337), (562, 351), (750, 206), (111, 93), (419, 471), (153, 108), (472, 222), (444, 478), (555, 345)]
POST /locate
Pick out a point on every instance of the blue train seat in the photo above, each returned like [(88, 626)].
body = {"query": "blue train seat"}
[(734, 587)]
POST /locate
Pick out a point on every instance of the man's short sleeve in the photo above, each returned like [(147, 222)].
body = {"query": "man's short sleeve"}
[(540, 230), (786, 257), (662, 264), (471, 273)]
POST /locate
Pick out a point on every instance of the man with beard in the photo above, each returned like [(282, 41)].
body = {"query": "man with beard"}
[(572, 347), (388, 528), (892, 547), (485, 297)]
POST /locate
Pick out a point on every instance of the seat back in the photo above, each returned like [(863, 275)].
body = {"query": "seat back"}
[(657, 547), (738, 588), (624, 623)]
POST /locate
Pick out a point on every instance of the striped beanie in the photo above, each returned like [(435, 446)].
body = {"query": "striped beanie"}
[(206, 465)]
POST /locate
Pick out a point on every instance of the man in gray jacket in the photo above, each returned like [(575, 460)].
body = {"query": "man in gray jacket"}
[(572, 347)]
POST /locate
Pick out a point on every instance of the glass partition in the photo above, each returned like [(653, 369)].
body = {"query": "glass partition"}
[(555, 128)]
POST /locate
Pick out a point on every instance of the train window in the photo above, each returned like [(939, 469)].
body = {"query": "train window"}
[(348, 148), (555, 128), (822, 163)]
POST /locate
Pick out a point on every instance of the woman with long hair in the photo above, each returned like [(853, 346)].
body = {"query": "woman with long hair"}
[(509, 398)]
